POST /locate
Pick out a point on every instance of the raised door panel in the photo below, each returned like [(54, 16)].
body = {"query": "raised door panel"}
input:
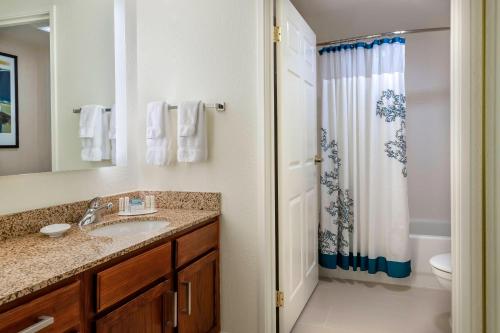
[(147, 313), (198, 290)]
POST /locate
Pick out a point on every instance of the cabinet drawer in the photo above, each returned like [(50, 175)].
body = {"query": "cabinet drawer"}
[(148, 312), (61, 307), (125, 278), (197, 243)]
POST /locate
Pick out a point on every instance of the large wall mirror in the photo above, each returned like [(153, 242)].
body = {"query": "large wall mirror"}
[(61, 89)]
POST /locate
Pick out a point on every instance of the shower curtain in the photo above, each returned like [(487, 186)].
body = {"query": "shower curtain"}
[(364, 200)]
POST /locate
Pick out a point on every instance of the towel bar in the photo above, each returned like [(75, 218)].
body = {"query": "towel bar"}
[(219, 107)]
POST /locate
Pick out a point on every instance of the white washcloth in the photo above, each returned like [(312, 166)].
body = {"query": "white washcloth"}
[(155, 123), (159, 140), (187, 118), (112, 134), (92, 133), (193, 148)]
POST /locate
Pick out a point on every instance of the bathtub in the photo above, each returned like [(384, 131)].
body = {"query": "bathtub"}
[(427, 238)]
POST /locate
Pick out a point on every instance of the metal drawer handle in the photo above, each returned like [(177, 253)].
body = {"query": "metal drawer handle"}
[(44, 321), (188, 284), (171, 318)]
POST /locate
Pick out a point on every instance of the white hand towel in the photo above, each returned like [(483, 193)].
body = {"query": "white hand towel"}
[(159, 141), (155, 124), (193, 148), (92, 133), (112, 134), (187, 118)]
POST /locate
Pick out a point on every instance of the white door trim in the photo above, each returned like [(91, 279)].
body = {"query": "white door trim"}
[(466, 165), (266, 175)]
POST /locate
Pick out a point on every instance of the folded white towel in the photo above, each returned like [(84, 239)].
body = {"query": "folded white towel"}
[(112, 134), (187, 118), (159, 141), (92, 133), (193, 148), (155, 124)]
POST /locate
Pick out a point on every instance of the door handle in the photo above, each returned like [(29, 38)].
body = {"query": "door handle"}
[(318, 159), (43, 322), (188, 298)]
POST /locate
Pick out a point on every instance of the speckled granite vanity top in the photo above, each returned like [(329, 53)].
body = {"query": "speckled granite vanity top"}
[(32, 261)]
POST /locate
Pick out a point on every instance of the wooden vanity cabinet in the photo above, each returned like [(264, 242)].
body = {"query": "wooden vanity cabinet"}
[(172, 287), (167, 287), (198, 292)]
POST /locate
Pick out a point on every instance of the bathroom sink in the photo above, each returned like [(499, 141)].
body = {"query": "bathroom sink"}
[(129, 228)]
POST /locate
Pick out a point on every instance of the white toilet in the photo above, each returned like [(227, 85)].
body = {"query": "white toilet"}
[(441, 267)]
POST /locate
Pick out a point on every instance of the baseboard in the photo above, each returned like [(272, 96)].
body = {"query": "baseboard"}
[(416, 280)]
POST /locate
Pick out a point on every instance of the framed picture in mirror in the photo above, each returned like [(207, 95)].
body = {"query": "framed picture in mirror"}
[(9, 113)]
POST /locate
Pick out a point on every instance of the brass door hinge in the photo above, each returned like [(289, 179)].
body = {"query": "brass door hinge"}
[(277, 34), (318, 159), (280, 299)]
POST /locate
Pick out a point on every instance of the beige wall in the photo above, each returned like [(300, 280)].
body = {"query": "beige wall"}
[(34, 152), (195, 49), (428, 136)]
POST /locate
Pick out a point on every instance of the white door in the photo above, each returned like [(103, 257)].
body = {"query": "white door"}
[(298, 218)]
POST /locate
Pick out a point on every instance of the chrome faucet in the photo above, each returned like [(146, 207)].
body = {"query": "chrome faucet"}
[(92, 214)]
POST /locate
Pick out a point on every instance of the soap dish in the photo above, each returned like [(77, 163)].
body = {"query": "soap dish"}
[(139, 212), (55, 230)]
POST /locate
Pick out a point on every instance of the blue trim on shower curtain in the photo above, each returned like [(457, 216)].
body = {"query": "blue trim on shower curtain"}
[(365, 45), (393, 269)]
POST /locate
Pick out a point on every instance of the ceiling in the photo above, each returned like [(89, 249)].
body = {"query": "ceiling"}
[(335, 19), (28, 33)]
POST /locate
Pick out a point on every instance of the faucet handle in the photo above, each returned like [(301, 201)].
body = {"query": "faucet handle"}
[(94, 203)]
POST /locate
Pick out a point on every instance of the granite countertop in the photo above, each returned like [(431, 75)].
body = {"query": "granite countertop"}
[(31, 262)]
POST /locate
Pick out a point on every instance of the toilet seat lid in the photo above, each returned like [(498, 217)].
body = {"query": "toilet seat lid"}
[(442, 262)]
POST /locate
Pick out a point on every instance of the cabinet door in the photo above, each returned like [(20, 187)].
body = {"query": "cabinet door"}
[(147, 313), (198, 290)]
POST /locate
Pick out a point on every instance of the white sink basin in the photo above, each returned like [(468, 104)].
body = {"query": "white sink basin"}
[(129, 228)]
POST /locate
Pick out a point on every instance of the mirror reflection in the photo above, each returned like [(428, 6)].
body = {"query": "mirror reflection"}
[(57, 86)]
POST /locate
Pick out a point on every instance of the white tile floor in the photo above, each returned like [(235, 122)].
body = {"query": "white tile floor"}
[(342, 306)]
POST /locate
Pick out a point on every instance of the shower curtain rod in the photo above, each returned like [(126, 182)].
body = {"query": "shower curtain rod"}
[(384, 34)]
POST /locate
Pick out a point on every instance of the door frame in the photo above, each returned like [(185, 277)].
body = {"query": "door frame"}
[(467, 218), (492, 176)]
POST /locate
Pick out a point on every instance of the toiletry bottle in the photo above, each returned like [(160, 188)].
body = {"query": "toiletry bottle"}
[(127, 204), (121, 204), (153, 202)]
